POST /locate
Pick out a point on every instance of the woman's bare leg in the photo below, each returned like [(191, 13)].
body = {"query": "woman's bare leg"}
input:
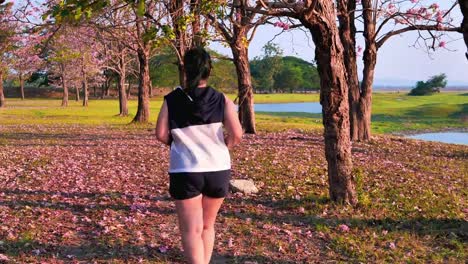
[(210, 210), (190, 214)]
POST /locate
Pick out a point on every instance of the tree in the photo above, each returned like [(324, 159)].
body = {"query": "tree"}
[(319, 17), (464, 25), (288, 79), (7, 33), (266, 67), (407, 15), (431, 86), (144, 18), (236, 22), (62, 57), (25, 58)]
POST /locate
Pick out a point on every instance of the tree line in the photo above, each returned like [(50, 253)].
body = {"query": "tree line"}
[(81, 40), (269, 75)]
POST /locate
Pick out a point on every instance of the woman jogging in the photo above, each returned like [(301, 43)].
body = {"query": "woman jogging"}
[(191, 121)]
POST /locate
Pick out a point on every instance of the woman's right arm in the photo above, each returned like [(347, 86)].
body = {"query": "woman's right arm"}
[(232, 124), (162, 125)]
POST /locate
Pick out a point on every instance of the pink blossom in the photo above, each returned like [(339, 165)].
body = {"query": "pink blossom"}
[(4, 258), (442, 44), (163, 249), (434, 6), (343, 228)]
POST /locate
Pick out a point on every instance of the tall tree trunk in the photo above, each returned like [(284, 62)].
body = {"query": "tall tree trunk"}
[(2, 95), (197, 39), (85, 88), (150, 88), (64, 86), (122, 93), (347, 29), (182, 77), (129, 90), (370, 60), (21, 81), (77, 90), (143, 113), (108, 87), (94, 91), (334, 100), (464, 25), (103, 89), (245, 89), (176, 9)]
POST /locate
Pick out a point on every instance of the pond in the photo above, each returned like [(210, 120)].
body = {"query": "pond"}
[(313, 108), (316, 108), (445, 137)]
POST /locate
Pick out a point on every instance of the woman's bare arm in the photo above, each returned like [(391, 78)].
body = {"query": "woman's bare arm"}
[(162, 125), (232, 124)]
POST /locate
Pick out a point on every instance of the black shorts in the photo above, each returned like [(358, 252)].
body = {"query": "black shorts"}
[(185, 185)]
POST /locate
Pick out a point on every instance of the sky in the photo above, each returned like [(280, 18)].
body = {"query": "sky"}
[(398, 63)]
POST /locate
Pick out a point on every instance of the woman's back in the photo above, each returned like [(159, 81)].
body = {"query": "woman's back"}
[(196, 126)]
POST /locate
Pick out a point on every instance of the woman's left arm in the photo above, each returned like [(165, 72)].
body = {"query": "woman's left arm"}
[(162, 125)]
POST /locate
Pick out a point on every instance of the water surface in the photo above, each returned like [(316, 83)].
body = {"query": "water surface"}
[(445, 137)]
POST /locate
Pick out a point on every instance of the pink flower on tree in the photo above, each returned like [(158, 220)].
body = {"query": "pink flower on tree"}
[(442, 44), (282, 25)]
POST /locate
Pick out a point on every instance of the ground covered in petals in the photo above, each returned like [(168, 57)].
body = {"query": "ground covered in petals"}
[(84, 194)]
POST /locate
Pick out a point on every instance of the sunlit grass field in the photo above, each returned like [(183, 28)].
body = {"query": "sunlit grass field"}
[(391, 112)]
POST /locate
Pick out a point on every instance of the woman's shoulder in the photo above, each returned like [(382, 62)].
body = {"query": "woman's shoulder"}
[(175, 92)]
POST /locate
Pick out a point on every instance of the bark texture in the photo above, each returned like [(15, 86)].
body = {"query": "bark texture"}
[(245, 90), (123, 107), (347, 29), (64, 86), (370, 60), (320, 20), (2, 95), (21, 81), (464, 25), (142, 115)]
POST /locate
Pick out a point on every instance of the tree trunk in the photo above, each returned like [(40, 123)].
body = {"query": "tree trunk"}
[(64, 86), (122, 93), (334, 100), (176, 9), (182, 78), (464, 25), (77, 90), (129, 90), (142, 115), (150, 88), (85, 88), (94, 91), (21, 81), (245, 90), (370, 60), (197, 40), (347, 29), (2, 95)]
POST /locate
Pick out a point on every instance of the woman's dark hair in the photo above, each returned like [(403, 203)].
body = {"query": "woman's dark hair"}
[(197, 64)]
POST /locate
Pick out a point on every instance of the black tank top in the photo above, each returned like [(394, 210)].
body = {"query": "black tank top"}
[(196, 125)]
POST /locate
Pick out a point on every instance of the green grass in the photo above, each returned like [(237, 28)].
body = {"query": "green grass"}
[(391, 112)]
